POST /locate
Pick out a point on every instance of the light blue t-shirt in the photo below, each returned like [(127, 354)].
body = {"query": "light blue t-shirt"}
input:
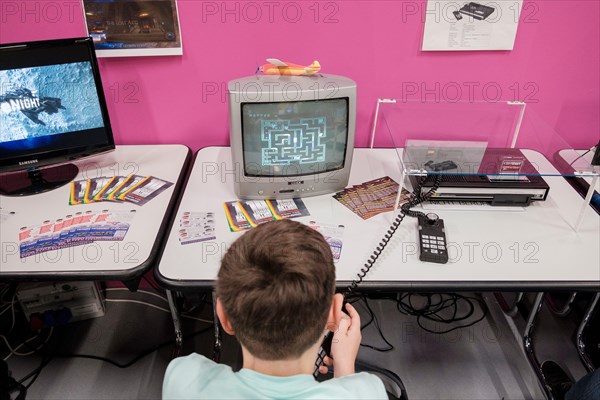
[(197, 377)]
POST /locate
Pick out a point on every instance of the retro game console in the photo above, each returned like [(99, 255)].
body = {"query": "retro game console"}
[(502, 177), (477, 11)]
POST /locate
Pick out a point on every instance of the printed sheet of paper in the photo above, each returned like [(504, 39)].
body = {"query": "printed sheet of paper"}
[(136, 189), (128, 28), (78, 190), (235, 216), (148, 189), (333, 234), (196, 227), (96, 186), (481, 25), (287, 208), (371, 198), (242, 215), (256, 212), (74, 230)]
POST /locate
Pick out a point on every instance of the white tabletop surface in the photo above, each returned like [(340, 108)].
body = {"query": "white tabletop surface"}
[(582, 157), (531, 247), (98, 259)]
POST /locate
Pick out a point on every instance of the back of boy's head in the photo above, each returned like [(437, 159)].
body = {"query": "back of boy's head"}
[(276, 284)]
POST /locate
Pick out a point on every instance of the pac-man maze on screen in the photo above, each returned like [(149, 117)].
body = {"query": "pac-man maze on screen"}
[(299, 141)]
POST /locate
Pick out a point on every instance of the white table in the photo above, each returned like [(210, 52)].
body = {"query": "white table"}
[(489, 250), (125, 260)]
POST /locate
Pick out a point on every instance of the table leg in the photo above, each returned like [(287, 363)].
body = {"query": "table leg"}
[(511, 311), (528, 344), (564, 311), (217, 345), (176, 322), (133, 284), (585, 358)]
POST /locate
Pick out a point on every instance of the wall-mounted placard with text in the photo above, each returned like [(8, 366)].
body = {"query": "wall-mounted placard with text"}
[(485, 25)]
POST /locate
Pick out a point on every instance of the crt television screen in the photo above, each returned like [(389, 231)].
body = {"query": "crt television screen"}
[(294, 138), (49, 104)]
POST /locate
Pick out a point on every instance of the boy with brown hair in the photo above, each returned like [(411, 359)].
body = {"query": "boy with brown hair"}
[(276, 294)]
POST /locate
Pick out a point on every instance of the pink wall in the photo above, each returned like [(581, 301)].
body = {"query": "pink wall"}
[(555, 64)]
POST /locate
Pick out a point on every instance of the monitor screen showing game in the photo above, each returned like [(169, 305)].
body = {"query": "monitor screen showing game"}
[(294, 138), (52, 111), (52, 107), (291, 136)]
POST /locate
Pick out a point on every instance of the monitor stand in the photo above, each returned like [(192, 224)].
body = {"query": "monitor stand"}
[(36, 180)]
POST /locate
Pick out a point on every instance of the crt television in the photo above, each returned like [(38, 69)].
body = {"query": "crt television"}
[(52, 111), (291, 136)]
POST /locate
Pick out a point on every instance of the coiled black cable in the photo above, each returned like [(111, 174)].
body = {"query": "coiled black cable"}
[(437, 311), (417, 198), (405, 209), (376, 253)]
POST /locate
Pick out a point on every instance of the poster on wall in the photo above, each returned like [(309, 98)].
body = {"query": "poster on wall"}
[(482, 25), (128, 28)]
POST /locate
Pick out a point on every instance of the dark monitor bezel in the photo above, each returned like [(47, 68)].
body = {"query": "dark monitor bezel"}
[(341, 167), (65, 153)]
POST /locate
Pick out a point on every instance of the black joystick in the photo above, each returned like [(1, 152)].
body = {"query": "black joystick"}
[(432, 239), (432, 218)]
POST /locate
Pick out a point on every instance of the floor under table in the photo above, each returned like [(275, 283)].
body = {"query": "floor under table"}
[(484, 361)]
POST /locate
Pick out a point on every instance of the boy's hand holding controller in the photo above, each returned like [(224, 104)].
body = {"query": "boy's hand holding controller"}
[(345, 343)]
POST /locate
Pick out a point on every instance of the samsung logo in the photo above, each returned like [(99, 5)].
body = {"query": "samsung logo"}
[(28, 162)]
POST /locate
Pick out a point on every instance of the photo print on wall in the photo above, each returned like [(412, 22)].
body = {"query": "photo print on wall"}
[(133, 27)]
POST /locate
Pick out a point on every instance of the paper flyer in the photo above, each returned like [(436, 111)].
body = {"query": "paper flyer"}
[(333, 234), (133, 184), (146, 190), (121, 183), (127, 28), (481, 25), (136, 189), (78, 190), (287, 208), (97, 185), (256, 212), (110, 225), (242, 215), (371, 198), (74, 230), (196, 227), (235, 217)]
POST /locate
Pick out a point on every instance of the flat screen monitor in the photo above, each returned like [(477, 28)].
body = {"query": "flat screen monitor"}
[(291, 136), (52, 111)]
